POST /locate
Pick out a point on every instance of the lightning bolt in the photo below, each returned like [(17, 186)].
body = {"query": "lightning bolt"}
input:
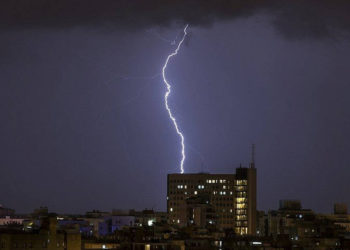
[(167, 93)]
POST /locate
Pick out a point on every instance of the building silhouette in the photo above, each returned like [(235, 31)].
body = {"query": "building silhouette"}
[(226, 201), (47, 237)]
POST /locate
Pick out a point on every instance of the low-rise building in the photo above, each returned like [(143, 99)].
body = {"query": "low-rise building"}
[(7, 220), (48, 238), (4, 211)]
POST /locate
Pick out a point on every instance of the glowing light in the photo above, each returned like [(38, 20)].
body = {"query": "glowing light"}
[(168, 86), (150, 222)]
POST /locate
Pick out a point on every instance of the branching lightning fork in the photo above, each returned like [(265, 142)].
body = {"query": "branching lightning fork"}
[(168, 86)]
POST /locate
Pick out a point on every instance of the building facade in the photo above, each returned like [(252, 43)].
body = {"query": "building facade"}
[(48, 238), (227, 201), (245, 200)]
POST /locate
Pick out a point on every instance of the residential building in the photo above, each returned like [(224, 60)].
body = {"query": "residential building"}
[(232, 197)]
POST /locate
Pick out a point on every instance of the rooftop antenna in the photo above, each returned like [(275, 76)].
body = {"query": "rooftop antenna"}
[(252, 163)]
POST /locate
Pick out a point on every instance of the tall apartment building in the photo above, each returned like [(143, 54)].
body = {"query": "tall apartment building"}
[(245, 200), (224, 200)]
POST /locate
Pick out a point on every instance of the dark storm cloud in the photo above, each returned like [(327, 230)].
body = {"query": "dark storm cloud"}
[(132, 14), (293, 19), (312, 18)]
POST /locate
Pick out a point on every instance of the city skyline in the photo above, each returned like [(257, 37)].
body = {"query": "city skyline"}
[(83, 123)]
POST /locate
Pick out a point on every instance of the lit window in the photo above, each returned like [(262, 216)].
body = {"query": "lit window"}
[(240, 200), (241, 205), (150, 222), (195, 192)]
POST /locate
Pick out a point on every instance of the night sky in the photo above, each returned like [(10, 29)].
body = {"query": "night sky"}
[(83, 123)]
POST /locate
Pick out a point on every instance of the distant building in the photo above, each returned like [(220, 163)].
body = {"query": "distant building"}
[(40, 212), (290, 205), (231, 196), (340, 217), (7, 220), (340, 208), (306, 229), (85, 228), (4, 211), (148, 217), (48, 237), (262, 224), (289, 218), (115, 222), (94, 223), (96, 214)]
